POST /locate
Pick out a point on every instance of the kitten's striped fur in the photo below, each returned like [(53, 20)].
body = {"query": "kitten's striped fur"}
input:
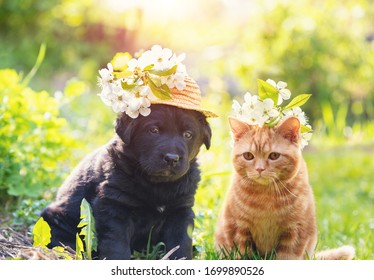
[(270, 204)]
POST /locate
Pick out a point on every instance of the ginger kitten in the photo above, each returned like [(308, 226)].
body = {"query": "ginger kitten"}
[(270, 205)]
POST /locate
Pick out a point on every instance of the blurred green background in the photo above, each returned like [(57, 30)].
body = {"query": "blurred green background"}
[(50, 120)]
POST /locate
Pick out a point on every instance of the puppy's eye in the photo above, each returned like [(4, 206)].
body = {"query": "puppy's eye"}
[(248, 156), (154, 130), (274, 156), (187, 134)]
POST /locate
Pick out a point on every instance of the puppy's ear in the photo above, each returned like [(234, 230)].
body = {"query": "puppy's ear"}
[(207, 133), (124, 127), (207, 136)]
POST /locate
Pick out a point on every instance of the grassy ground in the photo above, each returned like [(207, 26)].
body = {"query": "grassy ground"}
[(342, 179), (341, 175)]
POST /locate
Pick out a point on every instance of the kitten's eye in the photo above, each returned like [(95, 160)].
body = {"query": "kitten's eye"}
[(154, 130), (187, 134), (248, 156), (274, 156)]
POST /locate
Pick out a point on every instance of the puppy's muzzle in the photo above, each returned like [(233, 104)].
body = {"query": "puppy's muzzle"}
[(171, 159)]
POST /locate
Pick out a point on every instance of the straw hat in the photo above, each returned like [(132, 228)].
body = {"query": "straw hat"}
[(130, 88), (189, 98)]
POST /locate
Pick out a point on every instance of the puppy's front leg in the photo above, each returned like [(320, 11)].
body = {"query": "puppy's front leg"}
[(114, 232), (177, 232)]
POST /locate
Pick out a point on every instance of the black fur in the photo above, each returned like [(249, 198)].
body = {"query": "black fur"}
[(142, 181)]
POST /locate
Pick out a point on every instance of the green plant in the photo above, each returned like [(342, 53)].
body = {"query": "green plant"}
[(28, 210), (88, 231), (34, 141), (86, 245), (152, 252), (248, 254), (42, 235)]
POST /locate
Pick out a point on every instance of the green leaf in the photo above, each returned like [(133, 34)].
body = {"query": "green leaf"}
[(74, 88), (35, 68), (127, 86), (166, 72), (298, 101), (61, 252), (149, 67), (273, 122), (123, 74), (162, 92), (305, 129), (41, 233), (190, 229), (120, 60), (79, 247), (266, 90), (88, 230)]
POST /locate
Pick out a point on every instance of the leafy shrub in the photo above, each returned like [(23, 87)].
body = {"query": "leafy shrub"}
[(28, 211), (34, 141)]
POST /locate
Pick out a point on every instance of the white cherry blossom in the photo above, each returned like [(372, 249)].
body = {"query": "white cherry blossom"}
[(305, 138), (161, 57), (284, 93), (176, 80), (132, 93), (269, 108), (106, 75), (296, 112), (256, 111), (237, 107)]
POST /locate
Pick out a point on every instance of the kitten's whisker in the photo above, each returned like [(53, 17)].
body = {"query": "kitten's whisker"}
[(278, 191), (245, 180), (285, 187)]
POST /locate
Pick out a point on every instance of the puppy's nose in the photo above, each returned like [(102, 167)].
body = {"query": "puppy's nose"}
[(171, 159)]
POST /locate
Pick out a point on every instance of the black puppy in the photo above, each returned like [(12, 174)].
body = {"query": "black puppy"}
[(141, 183)]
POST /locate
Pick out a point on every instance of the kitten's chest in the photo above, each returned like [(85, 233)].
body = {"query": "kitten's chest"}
[(265, 228), (266, 218)]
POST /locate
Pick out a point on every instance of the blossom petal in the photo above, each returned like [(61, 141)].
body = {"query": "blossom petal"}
[(236, 107), (145, 111), (131, 113), (268, 103), (285, 93), (181, 57), (166, 53), (281, 85), (272, 82), (134, 104), (156, 49), (133, 62), (145, 103), (273, 113), (280, 100), (180, 85)]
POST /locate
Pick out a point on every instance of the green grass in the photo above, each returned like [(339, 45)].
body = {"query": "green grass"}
[(341, 172), (342, 178)]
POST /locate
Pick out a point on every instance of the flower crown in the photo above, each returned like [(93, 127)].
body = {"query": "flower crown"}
[(265, 108), (129, 84)]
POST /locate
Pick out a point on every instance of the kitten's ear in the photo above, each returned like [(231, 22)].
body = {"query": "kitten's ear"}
[(238, 127), (290, 129)]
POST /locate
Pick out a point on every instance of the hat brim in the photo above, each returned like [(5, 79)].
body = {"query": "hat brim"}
[(174, 103)]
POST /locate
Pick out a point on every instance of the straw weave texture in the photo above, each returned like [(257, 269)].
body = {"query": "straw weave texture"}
[(189, 98)]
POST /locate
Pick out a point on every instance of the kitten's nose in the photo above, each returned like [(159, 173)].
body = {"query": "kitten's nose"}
[(260, 169)]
